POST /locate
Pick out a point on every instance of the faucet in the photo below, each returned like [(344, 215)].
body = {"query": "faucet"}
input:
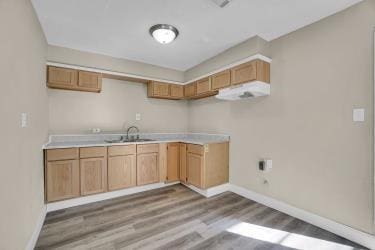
[(128, 130)]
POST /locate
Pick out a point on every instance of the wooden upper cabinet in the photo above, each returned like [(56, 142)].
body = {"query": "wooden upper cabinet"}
[(158, 89), (62, 78), (89, 81), (71, 79), (173, 162), (251, 71), (177, 91), (220, 80), (62, 180), (93, 173), (183, 169), (203, 85), (190, 90)]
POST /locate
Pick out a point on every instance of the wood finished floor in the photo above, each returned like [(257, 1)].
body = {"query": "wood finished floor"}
[(171, 218)]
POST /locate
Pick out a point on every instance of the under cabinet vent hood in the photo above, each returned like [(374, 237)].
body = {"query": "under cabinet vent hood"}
[(245, 91)]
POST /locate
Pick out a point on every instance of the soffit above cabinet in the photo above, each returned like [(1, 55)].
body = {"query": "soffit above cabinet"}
[(120, 28)]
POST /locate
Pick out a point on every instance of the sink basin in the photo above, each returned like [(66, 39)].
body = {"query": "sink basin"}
[(128, 140)]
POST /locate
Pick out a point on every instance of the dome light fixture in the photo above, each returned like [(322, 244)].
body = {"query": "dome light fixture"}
[(164, 33)]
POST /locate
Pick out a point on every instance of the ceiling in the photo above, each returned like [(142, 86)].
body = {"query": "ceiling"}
[(119, 28)]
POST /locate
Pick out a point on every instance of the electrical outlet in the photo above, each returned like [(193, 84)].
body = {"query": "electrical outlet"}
[(137, 117), (96, 130)]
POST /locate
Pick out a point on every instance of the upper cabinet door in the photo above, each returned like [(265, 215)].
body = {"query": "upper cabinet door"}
[(190, 89), (173, 162), (62, 180), (203, 85), (62, 77), (177, 91), (93, 175), (220, 80), (244, 73), (158, 89), (89, 81)]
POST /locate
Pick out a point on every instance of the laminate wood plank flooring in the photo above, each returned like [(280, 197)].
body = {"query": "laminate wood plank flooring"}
[(176, 217)]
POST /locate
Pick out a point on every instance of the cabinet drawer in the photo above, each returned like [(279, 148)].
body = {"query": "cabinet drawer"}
[(147, 148), (121, 150), (62, 154), (92, 152), (203, 85), (195, 149)]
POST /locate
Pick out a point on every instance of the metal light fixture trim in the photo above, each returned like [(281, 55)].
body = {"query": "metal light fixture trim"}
[(164, 33)]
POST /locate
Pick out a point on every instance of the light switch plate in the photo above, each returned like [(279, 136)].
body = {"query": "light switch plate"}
[(359, 115), (137, 117), (23, 120)]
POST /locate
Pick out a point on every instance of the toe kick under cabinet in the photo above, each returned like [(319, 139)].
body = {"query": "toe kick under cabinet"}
[(75, 172)]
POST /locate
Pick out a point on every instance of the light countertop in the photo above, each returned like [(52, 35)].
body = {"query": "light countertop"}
[(97, 140)]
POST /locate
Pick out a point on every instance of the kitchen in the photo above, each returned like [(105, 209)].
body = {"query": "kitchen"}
[(150, 125)]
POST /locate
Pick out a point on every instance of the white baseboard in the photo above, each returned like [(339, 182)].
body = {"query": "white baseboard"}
[(347, 232), (209, 192), (38, 227), (104, 196)]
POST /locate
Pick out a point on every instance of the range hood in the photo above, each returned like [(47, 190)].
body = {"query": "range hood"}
[(245, 91)]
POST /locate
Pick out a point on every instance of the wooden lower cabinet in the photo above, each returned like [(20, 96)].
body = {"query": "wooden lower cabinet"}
[(195, 169), (121, 172), (147, 168), (207, 165), (74, 172), (183, 169), (62, 180), (173, 162), (93, 175)]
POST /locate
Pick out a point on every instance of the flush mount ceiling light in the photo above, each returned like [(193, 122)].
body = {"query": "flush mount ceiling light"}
[(163, 33)]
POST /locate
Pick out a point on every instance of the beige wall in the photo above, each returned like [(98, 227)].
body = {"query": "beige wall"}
[(115, 107), (322, 161), (22, 65), (252, 46), (86, 59)]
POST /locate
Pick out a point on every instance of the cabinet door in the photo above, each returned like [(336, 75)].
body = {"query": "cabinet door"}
[(203, 86), (244, 73), (183, 170), (147, 168), (220, 80), (93, 175), (159, 89), (89, 81), (173, 162), (190, 90), (62, 180), (121, 172), (62, 78), (177, 91), (194, 169)]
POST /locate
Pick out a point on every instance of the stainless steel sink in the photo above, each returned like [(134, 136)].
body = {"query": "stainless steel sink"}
[(129, 140)]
